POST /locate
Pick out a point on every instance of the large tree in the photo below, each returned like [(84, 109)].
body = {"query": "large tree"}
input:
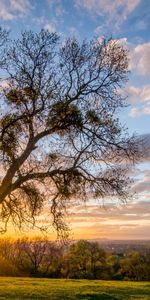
[(60, 138)]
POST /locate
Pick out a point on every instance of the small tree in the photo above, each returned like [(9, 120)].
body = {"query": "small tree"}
[(60, 137), (85, 260)]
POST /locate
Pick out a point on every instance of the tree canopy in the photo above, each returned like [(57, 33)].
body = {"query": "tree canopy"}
[(60, 137)]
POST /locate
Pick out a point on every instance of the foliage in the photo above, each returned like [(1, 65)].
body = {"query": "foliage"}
[(135, 267), (80, 260), (35, 257), (85, 260)]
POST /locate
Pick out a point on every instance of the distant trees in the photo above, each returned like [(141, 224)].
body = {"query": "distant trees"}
[(7, 265), (113, 263), (135, 267), (60, 137), (80, 260), (35, 257)]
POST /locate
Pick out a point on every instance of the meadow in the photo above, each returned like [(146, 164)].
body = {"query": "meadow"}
[(54, 289)]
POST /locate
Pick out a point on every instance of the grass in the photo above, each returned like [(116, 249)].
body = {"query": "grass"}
[(54, 289)]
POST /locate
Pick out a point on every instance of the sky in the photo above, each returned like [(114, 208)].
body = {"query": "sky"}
[(129, 22)]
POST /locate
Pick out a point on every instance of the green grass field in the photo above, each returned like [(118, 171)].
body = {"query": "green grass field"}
[(54, 289)]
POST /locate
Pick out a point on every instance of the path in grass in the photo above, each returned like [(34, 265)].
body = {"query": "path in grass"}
[(54, 289)]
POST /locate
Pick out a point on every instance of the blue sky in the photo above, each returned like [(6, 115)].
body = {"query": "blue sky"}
[(129, 22)]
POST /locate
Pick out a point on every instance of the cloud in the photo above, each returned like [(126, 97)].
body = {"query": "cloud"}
[(20, 5), (140, 96), (116, 11), (140, 57), (59, 11), (58, 7), (50, 27), (138, 112), (46, 24), (11, 9), (143, 185), (130, 219), (137, 94)]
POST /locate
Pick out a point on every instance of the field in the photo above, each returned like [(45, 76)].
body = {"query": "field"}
[(54, 289)]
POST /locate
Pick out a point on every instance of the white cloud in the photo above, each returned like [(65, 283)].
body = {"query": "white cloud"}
[(140, 96), (140, 58), (99, 221), (5, 14), (116, 11), (46, 24), (3, 84), (50, 27), (123, 41), (10, 9), (138, 112), (143, 185), (134, 112), (139, 55), (139, 63), (137, 95), (59, 11), (20, 5), (98, 30)]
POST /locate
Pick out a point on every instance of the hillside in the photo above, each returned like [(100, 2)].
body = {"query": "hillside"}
[(54, 289)]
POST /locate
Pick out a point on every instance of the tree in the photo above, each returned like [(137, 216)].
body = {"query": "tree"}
[(60, 137), (84, 260), (113, 263), (7, 268), (134, 267), (35, 257)]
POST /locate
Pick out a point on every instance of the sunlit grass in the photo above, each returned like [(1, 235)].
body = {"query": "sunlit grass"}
[(54, 289)]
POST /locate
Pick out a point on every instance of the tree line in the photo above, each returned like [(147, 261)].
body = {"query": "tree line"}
[(79, 260)]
